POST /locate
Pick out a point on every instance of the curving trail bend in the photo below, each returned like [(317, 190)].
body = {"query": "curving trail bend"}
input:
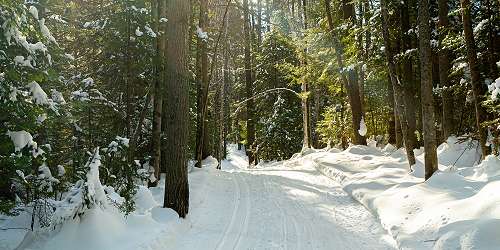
[(277, 206)]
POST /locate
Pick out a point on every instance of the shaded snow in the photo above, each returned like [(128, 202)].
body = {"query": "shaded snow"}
[(457, 208), (21, 139)]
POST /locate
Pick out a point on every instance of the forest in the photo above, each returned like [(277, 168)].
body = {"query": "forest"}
[(249, 124)]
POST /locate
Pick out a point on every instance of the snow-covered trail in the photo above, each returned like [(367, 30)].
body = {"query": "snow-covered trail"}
[(273, 207)]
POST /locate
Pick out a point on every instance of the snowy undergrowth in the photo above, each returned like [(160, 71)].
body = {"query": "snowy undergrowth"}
[(103, 226), (458, 208), (88, 220)]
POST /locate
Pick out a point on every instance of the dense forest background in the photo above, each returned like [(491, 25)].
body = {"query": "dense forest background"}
[(143, 86)]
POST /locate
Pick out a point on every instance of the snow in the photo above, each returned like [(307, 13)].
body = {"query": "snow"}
[(60, 170), (34, 11), (362, 127), (37, 93), (277, 205), (480, 26), (13, 94), (46, 32), (94, 188), (21, 139), (149, 31), (144, 199), (307, 202), (87, 82), (494, 89), (455, 209), (57, 97), (41, 118), (124, 141), (20, 61), (201, 34), (138, 32)]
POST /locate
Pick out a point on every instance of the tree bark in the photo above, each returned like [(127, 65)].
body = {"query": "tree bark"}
[(478, 88), (396, 83), (248, 86), (428, 119), (202, 86), (177, 107), (306, 106), (391, 126), (158, 10), (408, 83), (349, 84), (444, 68)]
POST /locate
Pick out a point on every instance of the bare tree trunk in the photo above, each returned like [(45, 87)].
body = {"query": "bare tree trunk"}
[(391, 127), (408, 83), (362, 55), (306, 106), (444, 68), (478, 88), (396, 84), (350, 85), (202, 85), (176, 115), (249, 86), (428, 120)]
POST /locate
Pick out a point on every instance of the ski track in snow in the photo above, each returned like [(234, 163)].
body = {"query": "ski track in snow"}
[(230, 225), (273, 207)]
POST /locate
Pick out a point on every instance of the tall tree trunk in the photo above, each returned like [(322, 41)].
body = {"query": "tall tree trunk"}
[(408, 83), (428, 119), (202, 86), (444, 68), (158, 10), (224, 99), (396, 83), (391, 126), (362, 56), (478, 88), (249, 85), (350, 85), (306, 106), (177, 107)]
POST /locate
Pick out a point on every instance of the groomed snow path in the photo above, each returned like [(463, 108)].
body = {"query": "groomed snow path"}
[(277, 206)]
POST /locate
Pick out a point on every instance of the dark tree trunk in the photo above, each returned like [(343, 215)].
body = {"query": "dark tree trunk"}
[(177, 107), (444, 68), (478, 88), (396, 83), (408, 82), (306, 106), (391, 126), (350, 84), (428, 119), (249, 86), (202, 87), (158, 9)]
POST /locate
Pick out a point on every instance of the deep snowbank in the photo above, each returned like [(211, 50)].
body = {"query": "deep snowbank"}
[(458, 208), (104, 227), (149, 227)]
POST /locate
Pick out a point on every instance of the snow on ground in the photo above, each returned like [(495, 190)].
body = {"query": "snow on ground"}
[(457, 208), (277, 205), (303, 203), (273, 206)]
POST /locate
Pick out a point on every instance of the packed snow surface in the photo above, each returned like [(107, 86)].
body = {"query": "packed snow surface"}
[(319, 199), (277, 205), (457, 208)]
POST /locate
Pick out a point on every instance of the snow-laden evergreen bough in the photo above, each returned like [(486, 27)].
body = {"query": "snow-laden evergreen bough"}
[(28, 56)]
